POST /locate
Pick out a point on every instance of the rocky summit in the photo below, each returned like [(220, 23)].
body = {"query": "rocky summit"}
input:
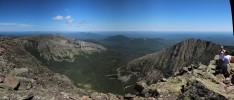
[(169, 62)]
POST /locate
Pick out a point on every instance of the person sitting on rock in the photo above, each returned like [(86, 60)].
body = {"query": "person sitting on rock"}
[(226, 64), (221, 56)]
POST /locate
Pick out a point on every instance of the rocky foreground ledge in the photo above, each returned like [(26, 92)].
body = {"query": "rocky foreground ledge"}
[(196, 82)]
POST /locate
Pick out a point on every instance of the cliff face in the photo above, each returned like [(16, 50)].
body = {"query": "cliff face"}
[(58, 48), (170, 61)]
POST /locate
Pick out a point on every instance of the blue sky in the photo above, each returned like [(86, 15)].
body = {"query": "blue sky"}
[(115, 15)]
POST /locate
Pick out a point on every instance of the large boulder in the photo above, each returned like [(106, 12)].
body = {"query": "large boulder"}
[(11, 82), (143, 89), (99, 96), (203, 90)]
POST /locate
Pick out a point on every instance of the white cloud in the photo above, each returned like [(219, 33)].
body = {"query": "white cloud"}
[(69, 19), (59, 18), (75, 23)]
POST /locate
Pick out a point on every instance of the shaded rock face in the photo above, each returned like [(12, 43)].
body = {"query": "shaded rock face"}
[(144, 91), (58, 48), (170, 61)]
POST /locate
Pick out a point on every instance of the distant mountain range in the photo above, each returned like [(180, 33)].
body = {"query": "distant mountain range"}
[(85, 35), (134, 47)]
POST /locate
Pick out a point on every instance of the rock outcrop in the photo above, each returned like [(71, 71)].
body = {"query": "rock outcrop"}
[(11, 82), (198, 84), (57, 47), (170, 61)]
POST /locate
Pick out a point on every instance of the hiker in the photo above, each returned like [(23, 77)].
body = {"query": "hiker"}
[(221, 56), (226, 64)]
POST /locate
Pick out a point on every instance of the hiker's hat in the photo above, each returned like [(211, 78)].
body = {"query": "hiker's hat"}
[(221, 46)]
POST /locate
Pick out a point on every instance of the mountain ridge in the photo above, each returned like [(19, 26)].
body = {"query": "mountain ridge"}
[(57, 47), (170, 61)]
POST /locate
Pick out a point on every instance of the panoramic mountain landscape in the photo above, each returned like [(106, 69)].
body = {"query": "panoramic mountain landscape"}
[(116, 50), (169, 73)]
